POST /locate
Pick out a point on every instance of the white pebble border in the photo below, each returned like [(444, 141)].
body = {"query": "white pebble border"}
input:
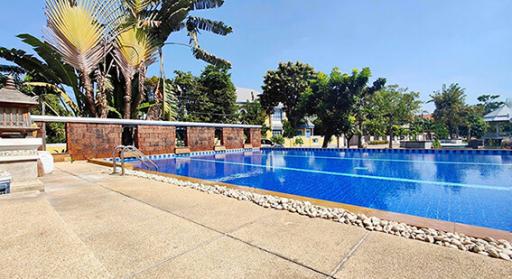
[(501, 249)]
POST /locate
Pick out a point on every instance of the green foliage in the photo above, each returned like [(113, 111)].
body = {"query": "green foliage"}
[(217, 85), (253, 114), (277, 139), (156, 18), (450, 105), (390, 107), (211, 97), (336, 101), (299, 141), (473, 124), (420, 125), (288, 130), (489, 103), (440, 130), (436, 144), (289, 85)]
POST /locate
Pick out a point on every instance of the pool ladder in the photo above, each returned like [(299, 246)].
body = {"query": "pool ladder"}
[(134, 152)]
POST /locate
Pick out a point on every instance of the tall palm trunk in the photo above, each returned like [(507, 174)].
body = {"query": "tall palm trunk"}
[(127, 97), (101, 96), (89, 95), (141, 94)]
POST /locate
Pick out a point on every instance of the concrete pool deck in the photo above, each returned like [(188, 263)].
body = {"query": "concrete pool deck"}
[(89, 224)]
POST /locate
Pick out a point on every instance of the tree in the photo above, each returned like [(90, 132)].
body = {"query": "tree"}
[(81, 32), (335, 101), (85, 36), (489, 103), (394, 106), (473, 122), (287, 85), (363, 94), (217, 86), (134, 51), (193, 104), (252, 113), (450, 105)]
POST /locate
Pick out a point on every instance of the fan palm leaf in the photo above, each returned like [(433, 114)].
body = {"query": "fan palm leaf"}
[(79, 31), (134, 50)]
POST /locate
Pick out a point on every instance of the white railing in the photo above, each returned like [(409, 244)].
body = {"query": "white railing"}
[(65, 119)]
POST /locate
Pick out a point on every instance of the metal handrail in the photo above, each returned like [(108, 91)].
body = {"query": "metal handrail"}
[(122, 149)]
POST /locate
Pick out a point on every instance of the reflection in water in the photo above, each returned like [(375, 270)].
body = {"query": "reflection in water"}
[(467, 188)]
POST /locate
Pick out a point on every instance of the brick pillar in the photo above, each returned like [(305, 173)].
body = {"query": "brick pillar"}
[(233, 138), (255, 137), (87, 141), (156, 139), (201, 138)]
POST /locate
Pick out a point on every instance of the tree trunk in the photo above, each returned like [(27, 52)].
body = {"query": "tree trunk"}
[(101, 96), (127, 98), (89, 95), (391, 138), (390, 135), (141, 94), (360, 136), (349, 138), (327, 139)]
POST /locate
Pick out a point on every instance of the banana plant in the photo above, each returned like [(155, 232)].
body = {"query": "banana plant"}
[(59, 92)]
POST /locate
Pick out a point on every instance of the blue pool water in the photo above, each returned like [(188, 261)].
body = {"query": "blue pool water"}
[(472, 188)]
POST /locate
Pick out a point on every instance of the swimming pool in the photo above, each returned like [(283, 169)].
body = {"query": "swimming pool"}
[(471, 187)]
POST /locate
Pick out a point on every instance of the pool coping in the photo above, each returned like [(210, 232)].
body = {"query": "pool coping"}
[(398, 150), (447, 226)]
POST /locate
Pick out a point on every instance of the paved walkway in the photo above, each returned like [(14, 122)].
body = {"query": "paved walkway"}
[(89, 224)]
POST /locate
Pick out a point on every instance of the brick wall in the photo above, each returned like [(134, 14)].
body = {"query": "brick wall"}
[(255, 137), (200, 138), (87, 141), (233, 138), (155, 139)]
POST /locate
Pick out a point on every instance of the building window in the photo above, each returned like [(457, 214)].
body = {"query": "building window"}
[(276, 133), (218, 137), (181, 136), (277, 115), (298, 133), (308, 133)]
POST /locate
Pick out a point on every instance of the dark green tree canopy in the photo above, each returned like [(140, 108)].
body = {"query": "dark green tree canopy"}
[(288, 85), (391, 108), (211, 97), (336, 100), (450, 104), (489, 103)]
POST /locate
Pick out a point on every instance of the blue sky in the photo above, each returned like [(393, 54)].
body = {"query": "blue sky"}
[(416, 44)]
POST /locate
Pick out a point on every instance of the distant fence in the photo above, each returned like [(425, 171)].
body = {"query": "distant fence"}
[(88, 138)]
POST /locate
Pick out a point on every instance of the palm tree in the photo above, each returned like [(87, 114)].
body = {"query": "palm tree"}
[(134, 51), (450, 105), (81, 32)]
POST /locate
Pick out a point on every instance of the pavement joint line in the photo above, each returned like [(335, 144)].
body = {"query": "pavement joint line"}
[(278, 255), (354, 248), (213, 229), (171, 258), (72, 232)]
